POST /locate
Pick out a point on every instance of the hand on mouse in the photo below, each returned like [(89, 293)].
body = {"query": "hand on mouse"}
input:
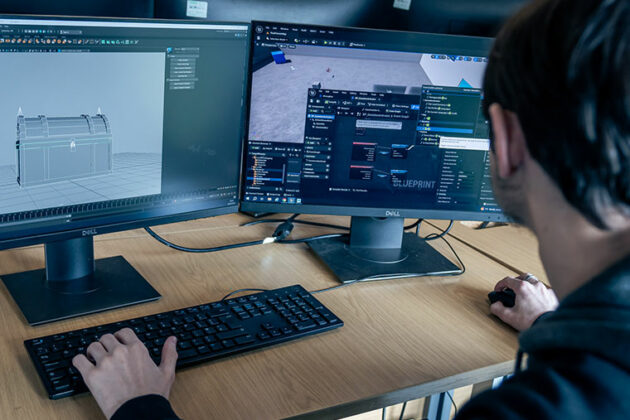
[(533, 299), (122, 370)]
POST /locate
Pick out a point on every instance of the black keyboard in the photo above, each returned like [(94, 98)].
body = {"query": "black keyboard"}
[(204, 332)]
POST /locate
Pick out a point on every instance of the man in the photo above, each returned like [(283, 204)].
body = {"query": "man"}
[(557, 92)]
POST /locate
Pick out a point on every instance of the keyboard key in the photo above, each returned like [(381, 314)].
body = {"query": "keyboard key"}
[(306, 325), (231, 334), (216, 346), (51, 357), (233, 323), (56, 374), (184, 354), (246, 339), (263, 335), (287, 330), (227, 343), (183, 345), (56, 365)]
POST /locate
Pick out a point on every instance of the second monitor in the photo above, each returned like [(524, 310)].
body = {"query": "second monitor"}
[(378, 125)]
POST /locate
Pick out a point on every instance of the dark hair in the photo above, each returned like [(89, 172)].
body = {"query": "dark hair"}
[(563, 66)]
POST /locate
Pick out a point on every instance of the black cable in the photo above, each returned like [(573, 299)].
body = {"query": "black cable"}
[(415, 224), (328, 225), (402, 411), (312, 238), (434, 236), (452, 400), (242, 290), (383, 414), (281, 232), (203, 250), (302, 222)]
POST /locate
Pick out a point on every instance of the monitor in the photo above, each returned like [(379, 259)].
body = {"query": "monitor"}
[(107, 125), (378, 125)]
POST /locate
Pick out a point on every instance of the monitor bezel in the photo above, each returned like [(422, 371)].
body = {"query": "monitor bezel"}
[(141, 220), (341, 210)]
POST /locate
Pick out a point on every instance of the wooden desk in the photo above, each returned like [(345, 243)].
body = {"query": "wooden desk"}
[(402, 339), (513, 246)]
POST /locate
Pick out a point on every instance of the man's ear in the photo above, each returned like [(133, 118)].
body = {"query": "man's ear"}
[(509, 140)]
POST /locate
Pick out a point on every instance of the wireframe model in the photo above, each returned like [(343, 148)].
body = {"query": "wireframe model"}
[(51, 149)]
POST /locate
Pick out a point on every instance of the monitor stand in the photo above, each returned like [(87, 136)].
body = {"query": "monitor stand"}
[(74, 284), (379, 249)]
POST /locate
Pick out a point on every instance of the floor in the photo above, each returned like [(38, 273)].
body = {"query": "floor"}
[(279, 91), (133, 175)]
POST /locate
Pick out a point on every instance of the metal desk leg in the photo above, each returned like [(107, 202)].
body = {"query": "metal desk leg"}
[(437, 406)]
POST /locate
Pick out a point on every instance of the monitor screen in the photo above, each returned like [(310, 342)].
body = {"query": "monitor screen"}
[(367, 123), (112, 124)]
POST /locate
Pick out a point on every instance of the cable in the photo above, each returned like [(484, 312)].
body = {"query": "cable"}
[(415, 224), (452, 400), (302, 222), (242, 290), (203, 250), (312, 238), (434, 236), (280, 233), (383, 413), (402, 411), (328, 225)]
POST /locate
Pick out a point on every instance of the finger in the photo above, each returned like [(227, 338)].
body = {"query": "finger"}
[(528, 277), (109, 342), (83, 365), (126, 336), (503, 312), (169, 355), (504, 283), (96, 351), (509, 283)]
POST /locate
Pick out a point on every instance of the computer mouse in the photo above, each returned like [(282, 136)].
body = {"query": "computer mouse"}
[(506, 297)]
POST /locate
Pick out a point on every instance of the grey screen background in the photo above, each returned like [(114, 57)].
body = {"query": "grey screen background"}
[(129, 90), (128, 87)]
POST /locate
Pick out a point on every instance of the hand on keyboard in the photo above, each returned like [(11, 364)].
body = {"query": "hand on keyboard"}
[(121, 369), (205, 332)]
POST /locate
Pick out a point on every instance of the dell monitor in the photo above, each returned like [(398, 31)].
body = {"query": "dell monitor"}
[(107, 125), (377, 125)]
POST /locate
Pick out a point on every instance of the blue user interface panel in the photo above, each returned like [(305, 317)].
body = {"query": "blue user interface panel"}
[(354, 119)]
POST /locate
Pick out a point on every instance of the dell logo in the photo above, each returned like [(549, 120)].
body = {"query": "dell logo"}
[(392, 213), (89, 232)]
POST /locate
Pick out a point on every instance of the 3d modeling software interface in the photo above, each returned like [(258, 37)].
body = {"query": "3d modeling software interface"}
[(99, 115), (349, 119)]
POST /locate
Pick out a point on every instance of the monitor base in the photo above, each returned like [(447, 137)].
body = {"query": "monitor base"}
[(114, 284), (414, 258)]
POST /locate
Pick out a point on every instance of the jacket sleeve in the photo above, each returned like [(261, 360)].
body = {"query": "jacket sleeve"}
[(154, 407), (557, 385)]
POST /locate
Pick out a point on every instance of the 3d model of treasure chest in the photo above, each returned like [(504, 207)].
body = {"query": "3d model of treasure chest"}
[(51, 149)]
